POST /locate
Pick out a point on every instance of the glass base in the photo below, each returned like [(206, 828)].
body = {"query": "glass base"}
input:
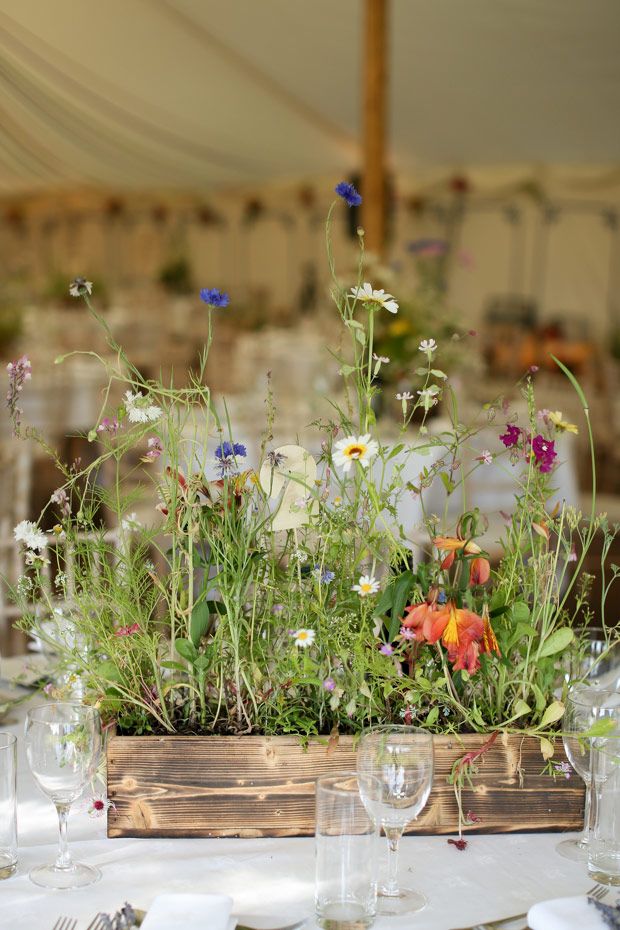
[(7, 869), (79, 875), (600, 874), (576, 850), (405, 902)]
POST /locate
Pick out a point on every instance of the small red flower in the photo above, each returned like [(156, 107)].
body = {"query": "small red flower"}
[(460, 843), (479, 571)]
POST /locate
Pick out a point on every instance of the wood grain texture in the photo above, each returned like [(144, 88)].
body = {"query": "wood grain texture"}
[(253, 786)]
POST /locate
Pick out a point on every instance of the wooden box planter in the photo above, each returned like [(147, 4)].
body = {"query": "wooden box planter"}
[(253, 786)]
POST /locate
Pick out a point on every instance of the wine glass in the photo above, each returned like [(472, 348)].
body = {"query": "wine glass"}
[(63, 741), (584, 706), (395, 766)]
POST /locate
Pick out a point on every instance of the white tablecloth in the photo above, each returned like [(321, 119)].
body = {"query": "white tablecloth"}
[(495, 876)]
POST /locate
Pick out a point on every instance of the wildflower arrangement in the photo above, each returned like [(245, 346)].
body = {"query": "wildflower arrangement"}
[(277, 591)]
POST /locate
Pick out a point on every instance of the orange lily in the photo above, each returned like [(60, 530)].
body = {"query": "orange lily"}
[(479, 571), (420, 617), (489, 639), (453, 543), (460, 631)]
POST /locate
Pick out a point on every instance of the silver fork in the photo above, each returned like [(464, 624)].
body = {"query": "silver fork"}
[(65, 923), (597, 891), (99, 923)]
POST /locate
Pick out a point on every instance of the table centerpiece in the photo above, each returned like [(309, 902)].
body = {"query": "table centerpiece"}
[(267, 614)]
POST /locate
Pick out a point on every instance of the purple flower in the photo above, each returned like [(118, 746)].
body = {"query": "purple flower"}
[(563, 768), (228, 449), (428, 248), (442, 597), (544, 453), (406, 633), (512, 435), (214, 298), (325, 576), (329, 684), (348, 194), (109, 425), (386, 649), (227, 466), (19, 372), (277, 608)]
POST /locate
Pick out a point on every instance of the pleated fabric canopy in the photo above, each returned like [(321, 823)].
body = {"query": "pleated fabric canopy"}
[(198, 94)]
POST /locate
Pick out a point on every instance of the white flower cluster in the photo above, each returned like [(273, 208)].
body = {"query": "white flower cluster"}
[(30, 535), (139, 410)]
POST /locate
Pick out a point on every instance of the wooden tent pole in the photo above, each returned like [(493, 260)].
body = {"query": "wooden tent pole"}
[(374, 123)]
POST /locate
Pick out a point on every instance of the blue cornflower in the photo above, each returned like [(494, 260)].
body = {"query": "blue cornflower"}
[(227, 467), (441, 597), (348, 193), (214, 298), (228, 449)]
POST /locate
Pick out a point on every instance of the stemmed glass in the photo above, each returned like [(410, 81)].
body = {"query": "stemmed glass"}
[(63, 741), (395, 766), (584, 706)]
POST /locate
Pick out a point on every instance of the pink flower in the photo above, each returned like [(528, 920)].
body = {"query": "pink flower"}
[(98, 806), (512, 435), (329, 684), (485, 457), (386, 649), (127, 630), (109, 425), (19, 372), (544, 453), (155, 449), (407, 634)]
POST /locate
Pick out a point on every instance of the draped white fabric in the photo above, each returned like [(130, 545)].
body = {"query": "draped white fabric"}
[(197, 93)]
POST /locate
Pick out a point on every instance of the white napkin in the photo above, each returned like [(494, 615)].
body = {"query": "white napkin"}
[(190, 912), (565, 914)]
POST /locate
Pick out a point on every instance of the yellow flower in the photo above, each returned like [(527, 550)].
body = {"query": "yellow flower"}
[(561, 425), (399, 328)]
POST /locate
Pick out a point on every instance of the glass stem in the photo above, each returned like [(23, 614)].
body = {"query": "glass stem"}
[(63, 860), (393, 837), (587, 814)]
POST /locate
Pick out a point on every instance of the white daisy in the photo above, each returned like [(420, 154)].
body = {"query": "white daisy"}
[(303, 637), (139, 410), (367, 584), (368, 296), (30, 534), (353, 449), (130, 523), (427, 345)]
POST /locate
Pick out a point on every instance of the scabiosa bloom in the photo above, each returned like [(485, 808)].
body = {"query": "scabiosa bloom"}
[(303, 637), (80, 286), (275, 459), (406, 633), (348, 193), (139, 410), (512, 435), (30, 535), (154, 449), (380, 297), (428, 346), (19, 372), (544, 453), (98, 805), (109, 425), (386, 649), (366, 585), (355, 449), (329, 684), (214, 298)]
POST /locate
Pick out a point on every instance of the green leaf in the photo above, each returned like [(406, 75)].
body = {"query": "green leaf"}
[(202, 663), (347, 370), (402, 588), (602, 727), (552, 713), (109, 671), (520, 612), (360, 335), (175, 665), (199, 621), (438, 373), (186, 649), (573, 381), (354, 324), (557, 642), (395, 451), (448, 485), (433, 715), (519, 709), (547, 748), (385, 602)]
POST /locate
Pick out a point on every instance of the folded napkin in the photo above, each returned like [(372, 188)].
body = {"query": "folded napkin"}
[(565, 914), (190, 912)]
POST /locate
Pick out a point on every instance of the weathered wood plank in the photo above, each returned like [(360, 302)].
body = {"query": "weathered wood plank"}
[(264, 786)]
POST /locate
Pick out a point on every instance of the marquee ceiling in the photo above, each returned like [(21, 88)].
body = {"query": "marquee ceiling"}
[(198, 94)]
